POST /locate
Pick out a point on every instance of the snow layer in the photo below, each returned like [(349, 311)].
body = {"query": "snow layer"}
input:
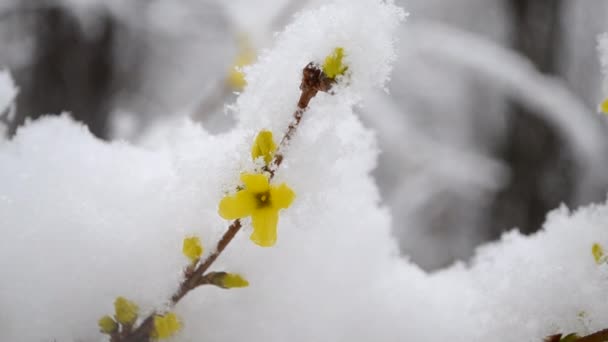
[(8, 91), (84, 221)]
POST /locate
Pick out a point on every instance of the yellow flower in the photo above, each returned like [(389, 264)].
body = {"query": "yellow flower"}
[(126, 311), (598, 253), (264, 146), (262, 202), (231, 280), (333, 66), (192, 248), (246, 56), (107, 325), (604, 106), (166, 326)]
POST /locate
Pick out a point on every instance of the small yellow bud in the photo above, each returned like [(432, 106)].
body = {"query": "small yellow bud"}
[(246, 56), (569, 338), (333, 65), (264, 146), (604, 106), (231, 280), (192, 248), (107, 325), (598, 253), (166, 326), (126, 311)]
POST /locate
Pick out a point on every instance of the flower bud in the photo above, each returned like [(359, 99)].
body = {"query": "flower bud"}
[(107, 325)]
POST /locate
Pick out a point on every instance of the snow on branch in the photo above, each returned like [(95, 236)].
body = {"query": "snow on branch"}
[(8, 92), (547, 95), (91, 227)]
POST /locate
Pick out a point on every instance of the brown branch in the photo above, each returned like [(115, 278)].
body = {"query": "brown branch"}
[(194, 280), (313, 81), (553, 338), (599, 336)]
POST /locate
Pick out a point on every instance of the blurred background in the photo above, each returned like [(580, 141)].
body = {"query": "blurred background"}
[(489, 122)]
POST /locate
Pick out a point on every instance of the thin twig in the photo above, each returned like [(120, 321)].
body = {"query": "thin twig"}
[(194, 280), (313, 81), (598, 336)]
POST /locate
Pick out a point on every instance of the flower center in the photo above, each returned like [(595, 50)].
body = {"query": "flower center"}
[(263, 199)]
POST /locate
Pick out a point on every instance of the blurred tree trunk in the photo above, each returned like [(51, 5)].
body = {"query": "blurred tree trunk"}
[(71, 71), (540, 163)]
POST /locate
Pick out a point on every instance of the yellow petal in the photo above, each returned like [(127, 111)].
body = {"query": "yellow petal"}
[(242, 204), (333, 66), (192, 248), (281, 196), (255, 182), (604, 106), (264, 223), (107, 325), (126, 311), (246, 56), (264, 146), (166, 326), (598, 252), (236, 77), (231, 280)]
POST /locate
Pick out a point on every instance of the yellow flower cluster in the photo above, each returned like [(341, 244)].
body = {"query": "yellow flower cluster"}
[(166, 325), (125, 313), (258, 198)]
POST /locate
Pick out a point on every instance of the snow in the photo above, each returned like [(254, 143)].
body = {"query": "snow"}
[(8, 91), (602, 47), (455, 134), (85, 221)]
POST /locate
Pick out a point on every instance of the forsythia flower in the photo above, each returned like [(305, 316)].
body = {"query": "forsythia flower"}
[(264, 146), (262, 202), (126, 311), (166, 326), (192, 248), (333, 66), (107, 325)]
